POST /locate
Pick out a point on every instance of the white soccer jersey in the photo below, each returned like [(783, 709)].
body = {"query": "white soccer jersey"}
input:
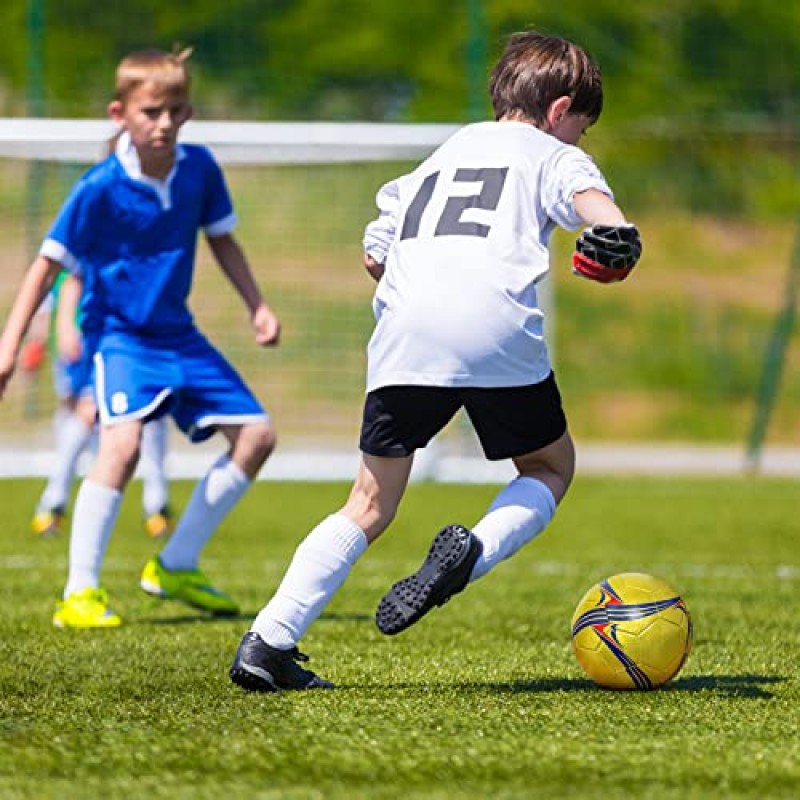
[(464, 241)]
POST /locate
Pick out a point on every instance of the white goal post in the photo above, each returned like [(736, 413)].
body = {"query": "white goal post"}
[(235, 142)]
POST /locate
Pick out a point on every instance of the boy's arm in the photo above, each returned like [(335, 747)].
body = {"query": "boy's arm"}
[(35, 285), (597, 208), (379, 234), (33, 350), (610, 247), (69, 341), (233, 263)]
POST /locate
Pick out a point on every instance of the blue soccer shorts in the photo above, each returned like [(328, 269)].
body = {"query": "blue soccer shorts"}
[(186, 377), (73, 379)]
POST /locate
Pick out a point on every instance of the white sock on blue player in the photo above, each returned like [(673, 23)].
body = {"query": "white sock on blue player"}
[(96, 511), (213, 497)]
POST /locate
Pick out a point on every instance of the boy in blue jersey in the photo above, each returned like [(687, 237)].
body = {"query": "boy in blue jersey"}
[(128, 231), (74, 422)]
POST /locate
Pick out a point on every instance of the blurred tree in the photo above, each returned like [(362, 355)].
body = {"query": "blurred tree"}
[(367, 60), (375, 60)]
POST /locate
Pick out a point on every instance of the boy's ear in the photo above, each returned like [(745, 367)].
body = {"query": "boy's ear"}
[(558, 110), (114, 110)]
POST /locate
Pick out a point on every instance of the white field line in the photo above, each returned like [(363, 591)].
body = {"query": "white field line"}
[(186, 462), (782, 572)]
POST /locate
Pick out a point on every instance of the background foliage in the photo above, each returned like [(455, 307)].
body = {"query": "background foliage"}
[(359, 59)]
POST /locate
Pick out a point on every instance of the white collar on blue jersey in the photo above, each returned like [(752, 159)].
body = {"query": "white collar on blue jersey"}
[(129, 158)]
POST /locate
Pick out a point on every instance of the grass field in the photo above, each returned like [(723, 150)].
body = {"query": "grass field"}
[(482, 698)]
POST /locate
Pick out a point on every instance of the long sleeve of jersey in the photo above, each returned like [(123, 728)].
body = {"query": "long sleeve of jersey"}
[(380, 233)]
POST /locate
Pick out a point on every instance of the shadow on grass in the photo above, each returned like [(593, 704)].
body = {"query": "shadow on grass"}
[(146, 617), (192, 619), (155, 611), (733, 685), (749, 686), (351, 617)]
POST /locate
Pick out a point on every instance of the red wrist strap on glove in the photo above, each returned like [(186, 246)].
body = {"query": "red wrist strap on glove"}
[(586, 268)]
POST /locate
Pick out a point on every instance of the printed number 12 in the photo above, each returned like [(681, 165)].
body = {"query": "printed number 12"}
[(450, 222)]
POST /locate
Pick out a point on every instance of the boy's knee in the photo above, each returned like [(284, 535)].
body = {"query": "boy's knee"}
[(116, 459), (369, 513), (259, 440)]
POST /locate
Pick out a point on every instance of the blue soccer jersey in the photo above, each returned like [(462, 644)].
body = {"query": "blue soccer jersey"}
[(132, 239)]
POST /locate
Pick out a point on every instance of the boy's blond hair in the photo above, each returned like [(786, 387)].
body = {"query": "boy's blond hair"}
[(167, 70), (536, 69)]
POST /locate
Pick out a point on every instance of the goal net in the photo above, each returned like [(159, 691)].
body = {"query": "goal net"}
[(303, 193)]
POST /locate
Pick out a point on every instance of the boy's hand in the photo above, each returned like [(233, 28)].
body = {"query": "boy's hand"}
[(373, 267), (266, 325), (607, 253), (7, 365)]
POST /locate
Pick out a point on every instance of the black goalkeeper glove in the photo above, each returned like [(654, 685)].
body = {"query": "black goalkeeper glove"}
[(607, 253)]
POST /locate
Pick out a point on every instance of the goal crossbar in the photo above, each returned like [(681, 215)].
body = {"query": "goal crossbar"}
[(83, 140)]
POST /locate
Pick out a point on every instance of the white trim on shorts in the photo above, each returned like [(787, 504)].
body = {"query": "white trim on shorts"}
[(226, 419), (106, 418)]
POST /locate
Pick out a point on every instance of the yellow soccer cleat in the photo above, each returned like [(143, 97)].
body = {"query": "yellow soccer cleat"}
[(86, 609), (160, 524), (48, 521), (189, 586)]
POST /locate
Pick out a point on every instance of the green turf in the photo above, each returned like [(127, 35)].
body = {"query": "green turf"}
[(482, 699)]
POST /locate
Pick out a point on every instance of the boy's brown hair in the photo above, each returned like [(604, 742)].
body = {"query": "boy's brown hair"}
[(536, 69), (167, 70)]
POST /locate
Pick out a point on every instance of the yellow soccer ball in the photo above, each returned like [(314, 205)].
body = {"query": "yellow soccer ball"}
[(631, 631)]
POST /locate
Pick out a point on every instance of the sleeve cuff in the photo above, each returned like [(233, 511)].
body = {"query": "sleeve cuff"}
[(56, 251), (222, 226)]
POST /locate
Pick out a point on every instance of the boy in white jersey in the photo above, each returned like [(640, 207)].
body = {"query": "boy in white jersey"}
[(129, 231), (457, 250)]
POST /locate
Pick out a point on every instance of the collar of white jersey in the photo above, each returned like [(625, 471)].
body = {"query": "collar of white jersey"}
[(129, 158)]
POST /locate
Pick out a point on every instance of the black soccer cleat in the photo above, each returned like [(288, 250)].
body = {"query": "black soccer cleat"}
[(258, 667), (445, 572)]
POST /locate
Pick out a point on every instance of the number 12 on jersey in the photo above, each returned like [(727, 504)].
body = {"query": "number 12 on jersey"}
[(492, 180)]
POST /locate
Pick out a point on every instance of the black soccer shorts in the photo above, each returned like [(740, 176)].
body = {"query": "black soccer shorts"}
[(509, 421)]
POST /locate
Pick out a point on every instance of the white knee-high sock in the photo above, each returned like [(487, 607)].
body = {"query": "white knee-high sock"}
[(152, 466), (215, 495), (96, 510), (518, 514), (72, 438), (320, 565)]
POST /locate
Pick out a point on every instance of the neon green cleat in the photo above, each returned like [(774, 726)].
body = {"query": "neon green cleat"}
[(48, 521), (86, 609), (160, 524), (189, 586)]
